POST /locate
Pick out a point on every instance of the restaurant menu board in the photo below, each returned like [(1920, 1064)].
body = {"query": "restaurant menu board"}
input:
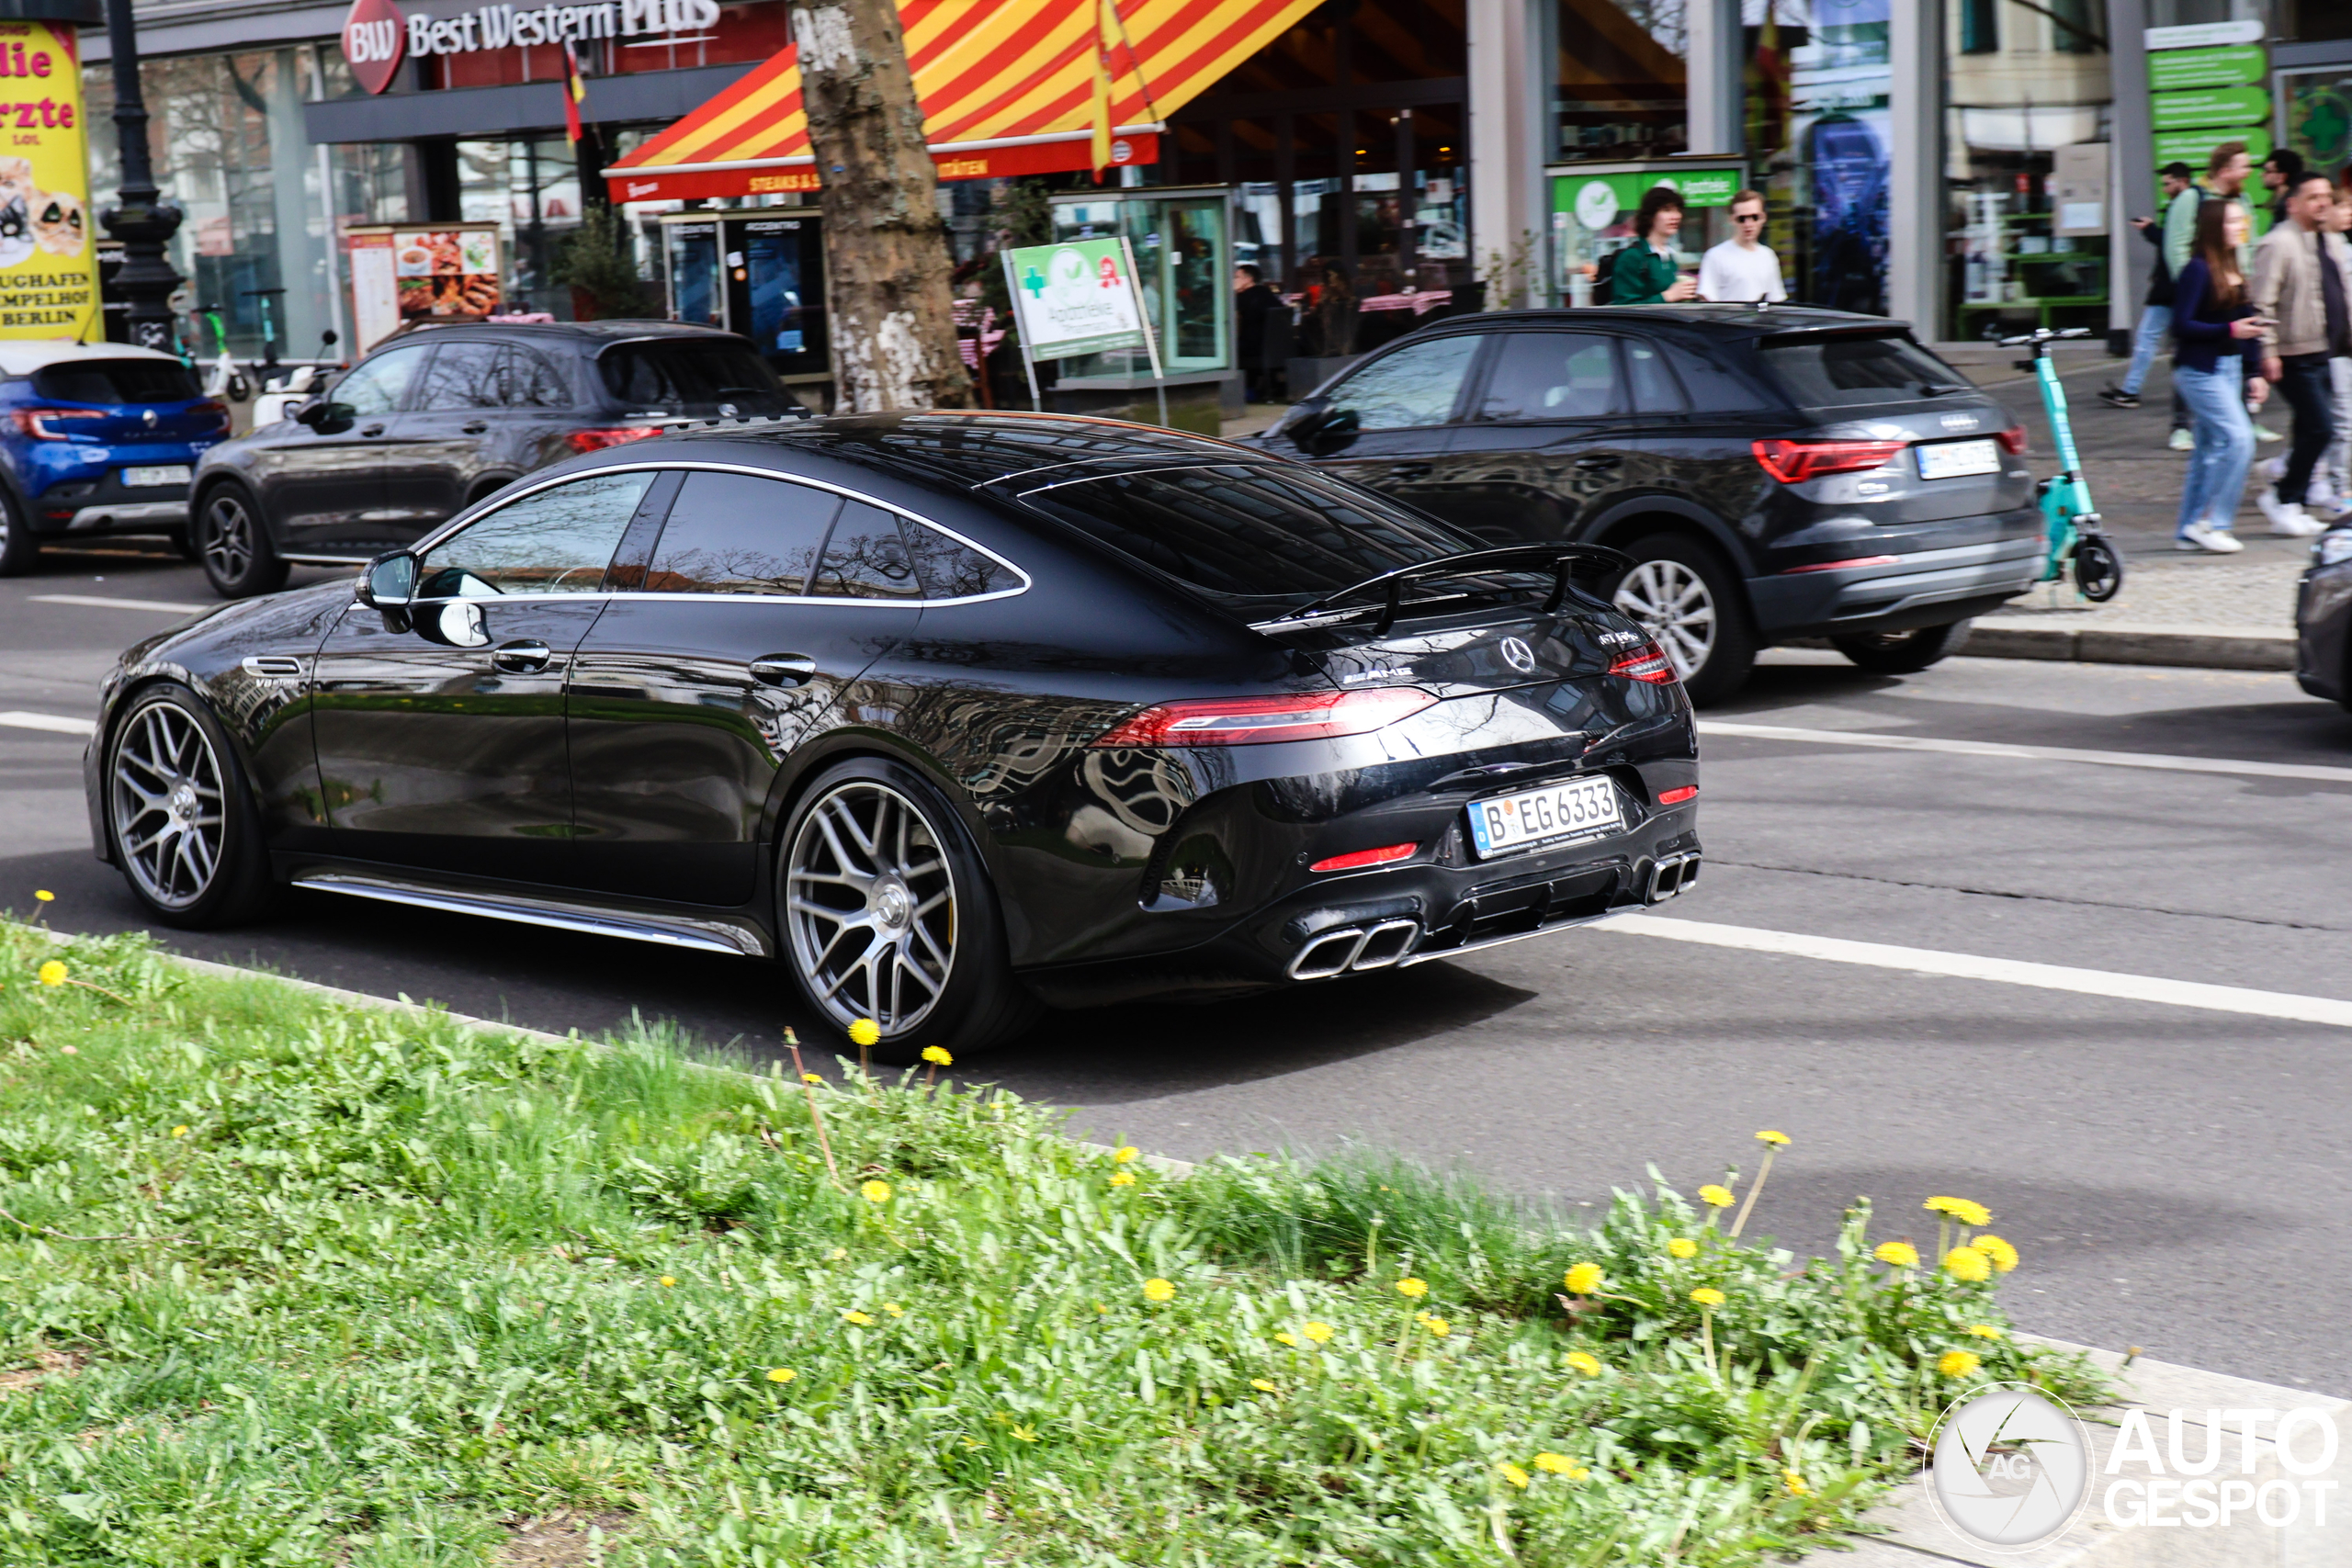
[(48, 265), (447, 272)]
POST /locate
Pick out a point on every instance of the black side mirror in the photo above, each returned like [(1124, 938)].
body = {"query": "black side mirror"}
[(325, 417), (389, 581), (1331, 430)]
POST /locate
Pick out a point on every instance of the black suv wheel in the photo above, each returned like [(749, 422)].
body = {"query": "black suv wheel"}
[(1903, 653), (1691, 603), (233, 543)]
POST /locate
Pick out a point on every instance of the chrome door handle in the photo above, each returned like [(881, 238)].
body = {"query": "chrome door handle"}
[(371, 430), (784, 669), (476, 427), (525, 656)]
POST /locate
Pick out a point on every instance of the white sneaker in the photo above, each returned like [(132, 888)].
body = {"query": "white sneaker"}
[(2272, 468), (2180, 441), (2285, 515), (2300, 525), (2265, 434), (2201, 535)]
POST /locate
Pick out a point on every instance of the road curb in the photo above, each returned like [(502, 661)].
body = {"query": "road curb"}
[(2124, 643)]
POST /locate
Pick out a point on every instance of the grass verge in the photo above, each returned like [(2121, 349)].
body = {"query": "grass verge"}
[(285, 1281)]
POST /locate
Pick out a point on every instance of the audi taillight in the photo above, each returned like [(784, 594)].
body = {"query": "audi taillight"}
[(1647, 663), (45, 425), (1256, 721), (597, 440), (2013, 440), (1793, 462)]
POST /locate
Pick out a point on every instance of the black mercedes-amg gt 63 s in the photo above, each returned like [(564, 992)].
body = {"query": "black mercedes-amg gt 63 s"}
[(955, 715)]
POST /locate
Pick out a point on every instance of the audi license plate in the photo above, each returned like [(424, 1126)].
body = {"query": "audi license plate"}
[(1579, 808), (1953, 459), (161, 474)]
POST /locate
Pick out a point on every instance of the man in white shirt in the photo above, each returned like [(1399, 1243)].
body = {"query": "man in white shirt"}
[(1743, 269)]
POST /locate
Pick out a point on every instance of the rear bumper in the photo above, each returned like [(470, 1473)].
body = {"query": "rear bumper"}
[(1925, 588), (2323, 632), (109, 507)]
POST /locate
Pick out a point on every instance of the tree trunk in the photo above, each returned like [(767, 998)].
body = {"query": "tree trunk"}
[(886, 248)]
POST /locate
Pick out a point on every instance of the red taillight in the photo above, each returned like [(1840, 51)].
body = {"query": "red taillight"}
[(35, 422), (1847, 564), (219, 411), (1254, 721), (597, 440), (1362, 858), (1793, 462), (1676, 796), (1647, 662), (2013, 440)]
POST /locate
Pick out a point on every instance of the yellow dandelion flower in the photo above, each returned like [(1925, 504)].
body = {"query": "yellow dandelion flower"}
[(1684, 1246), (1585, 1362), (1157, 1290), (1436, 1325), (1287, 1338), (1583, 1279), (1902, 1254), (865, 1032), (1778, 1140), (668, 1280), (1986, 1331), (1126, 1153), (1261, 1385), (812, 1078), (1411, 1289), (1795, 1483), (1025, 1432), (1555, 1464), (2003, 1256), (1707, 1298), (52, 972), (859, 1318), (894, 1309), (1961, 1209), (1716, 1196), (1957, 1364), (937, 1056), (1319, 1332), (875, 1192), (44, 895), (1967, 1264), (781, 1374), (1123, 1179), (1515, 1475), (180, 1132), (837, 1254)]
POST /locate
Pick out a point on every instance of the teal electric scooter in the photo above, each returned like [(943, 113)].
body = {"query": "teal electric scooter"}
[(2075, 534)]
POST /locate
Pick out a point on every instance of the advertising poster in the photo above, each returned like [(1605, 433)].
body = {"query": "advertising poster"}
[(48, 264), (1074, 299), (449, 271), (1840, 87)]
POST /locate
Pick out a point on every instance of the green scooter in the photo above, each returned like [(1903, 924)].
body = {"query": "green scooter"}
[(2076, 535)]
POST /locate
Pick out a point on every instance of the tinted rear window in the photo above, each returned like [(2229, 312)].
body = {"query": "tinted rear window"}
[(1841, 372), (117, 381), (1248, 532), (692, 376)]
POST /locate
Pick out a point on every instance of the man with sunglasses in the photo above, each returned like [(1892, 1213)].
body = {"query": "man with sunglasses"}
[(1742, 269)]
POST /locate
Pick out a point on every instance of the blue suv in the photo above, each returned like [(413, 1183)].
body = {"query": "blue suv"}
[(96, 438)]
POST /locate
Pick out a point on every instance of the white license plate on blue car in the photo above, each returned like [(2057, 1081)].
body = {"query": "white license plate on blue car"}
[(1579, 808), (158, 474), (1953, 459)]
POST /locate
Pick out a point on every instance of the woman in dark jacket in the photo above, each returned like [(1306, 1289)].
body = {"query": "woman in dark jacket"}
[(2217, 371)]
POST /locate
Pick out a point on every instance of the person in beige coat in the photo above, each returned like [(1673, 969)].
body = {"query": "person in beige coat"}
[(2300, 293)]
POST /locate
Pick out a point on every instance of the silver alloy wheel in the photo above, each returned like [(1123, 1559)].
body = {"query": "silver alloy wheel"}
[(870, 907), (1673, 605), (168, 809), (226, 539)]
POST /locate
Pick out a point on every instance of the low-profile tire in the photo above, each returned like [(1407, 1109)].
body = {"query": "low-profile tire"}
[(19, 547), (1903, 653), (886, 911), (232, 543), (1692, 604), (179, 814)]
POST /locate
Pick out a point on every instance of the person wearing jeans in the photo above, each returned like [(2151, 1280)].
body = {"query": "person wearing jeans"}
[(2300, 295), (2218, 375), (2155, 315)]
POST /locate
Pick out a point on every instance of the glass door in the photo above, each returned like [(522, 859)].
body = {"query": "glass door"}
[(690, 259), (1183, 242)]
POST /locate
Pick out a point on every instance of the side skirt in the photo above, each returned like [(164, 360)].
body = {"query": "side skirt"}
[(703, 933)]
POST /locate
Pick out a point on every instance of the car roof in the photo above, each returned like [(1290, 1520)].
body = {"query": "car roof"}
[(593, 333), (966, 450), (1746, 320), (23, 358)]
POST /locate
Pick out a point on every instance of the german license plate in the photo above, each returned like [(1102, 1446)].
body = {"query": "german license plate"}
[(1952, 459), (1576, 809), (159, 474)]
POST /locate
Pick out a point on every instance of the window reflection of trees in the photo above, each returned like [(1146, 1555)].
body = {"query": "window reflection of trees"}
[(558, 541)]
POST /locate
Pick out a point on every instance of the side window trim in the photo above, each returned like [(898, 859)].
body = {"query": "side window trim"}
[(631, 558)]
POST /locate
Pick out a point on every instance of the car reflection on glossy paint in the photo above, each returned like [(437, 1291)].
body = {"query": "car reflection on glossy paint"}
[(956, 716)]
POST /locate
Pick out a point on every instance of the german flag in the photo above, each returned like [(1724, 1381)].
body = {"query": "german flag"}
[(575, 93)]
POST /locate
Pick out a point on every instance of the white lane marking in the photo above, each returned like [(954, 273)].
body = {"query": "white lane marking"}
[(17, 718), (99, 602), (2029, 753), (2008, 970)]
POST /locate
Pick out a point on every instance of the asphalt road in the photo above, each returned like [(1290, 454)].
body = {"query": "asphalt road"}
[(2175, 1175)]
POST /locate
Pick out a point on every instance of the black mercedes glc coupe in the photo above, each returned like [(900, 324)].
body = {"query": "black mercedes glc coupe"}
[(953, 713), (1776, 473)]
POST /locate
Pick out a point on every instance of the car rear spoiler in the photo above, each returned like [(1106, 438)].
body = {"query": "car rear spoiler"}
[(1565, 561)]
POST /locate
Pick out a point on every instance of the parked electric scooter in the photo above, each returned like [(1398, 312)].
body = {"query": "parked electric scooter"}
[(2076, 538)]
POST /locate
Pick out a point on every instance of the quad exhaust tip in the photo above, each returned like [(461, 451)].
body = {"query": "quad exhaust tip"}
[(1671, 874), (1354, 949)]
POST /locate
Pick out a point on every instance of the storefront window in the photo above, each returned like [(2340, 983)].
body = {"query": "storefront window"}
[(2026, 166), (531, 190), (1620, 87), (1818, 80)]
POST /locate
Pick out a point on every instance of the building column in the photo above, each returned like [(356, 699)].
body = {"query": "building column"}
[(1915, 216), (2131, 175), (1508, 111), (1717, 124)]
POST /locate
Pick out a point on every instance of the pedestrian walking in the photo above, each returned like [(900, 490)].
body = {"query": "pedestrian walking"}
[(1743, 270), (2279, 173), (2156, 314), (1253, 301), (2219, 371), (2299, 296), (2330, 496), (2227, 169), (1644, 272)]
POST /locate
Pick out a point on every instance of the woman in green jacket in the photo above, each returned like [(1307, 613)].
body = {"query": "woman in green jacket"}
[(1644, 273)]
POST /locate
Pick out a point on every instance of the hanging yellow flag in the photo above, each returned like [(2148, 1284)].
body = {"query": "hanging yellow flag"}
[(1106, 40)]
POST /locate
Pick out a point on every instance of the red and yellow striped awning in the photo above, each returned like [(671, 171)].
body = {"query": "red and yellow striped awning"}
[(1007, 88)]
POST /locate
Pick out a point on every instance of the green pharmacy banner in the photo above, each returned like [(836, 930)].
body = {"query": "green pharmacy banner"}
[(2193, 147), (2176, 69), (2210, 106), (1073, 298)]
